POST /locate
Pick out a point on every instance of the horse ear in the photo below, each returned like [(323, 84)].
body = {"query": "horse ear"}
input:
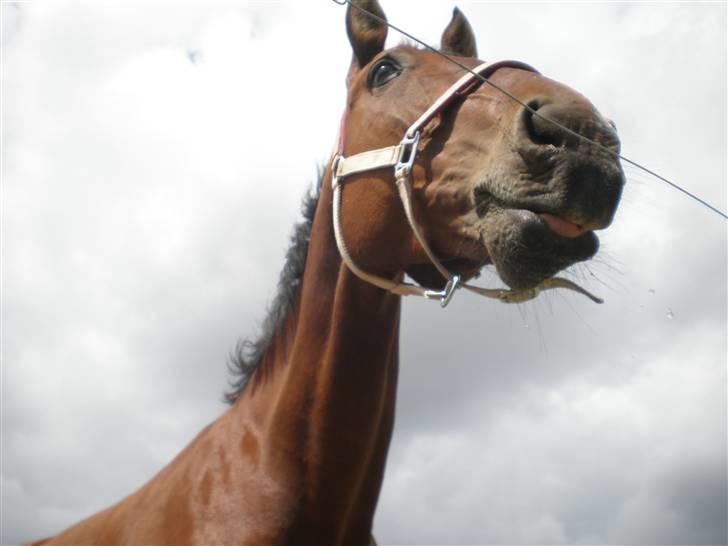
[(366, 34), (458, 38)]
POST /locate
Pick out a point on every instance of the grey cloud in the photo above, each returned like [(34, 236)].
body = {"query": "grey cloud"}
[(683, 504)]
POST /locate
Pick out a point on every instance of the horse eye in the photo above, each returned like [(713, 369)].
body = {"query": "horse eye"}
[(382, 72)]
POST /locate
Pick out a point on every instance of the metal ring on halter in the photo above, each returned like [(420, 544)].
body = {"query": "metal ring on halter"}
[(407, 154), (446, 294), (334, 166)]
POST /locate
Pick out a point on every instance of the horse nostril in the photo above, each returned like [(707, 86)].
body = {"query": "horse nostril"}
[(539, 130)]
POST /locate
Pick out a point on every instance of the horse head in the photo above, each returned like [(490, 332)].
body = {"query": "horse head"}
[(493, 182)]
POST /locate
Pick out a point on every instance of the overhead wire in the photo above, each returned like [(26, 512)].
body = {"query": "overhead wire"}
[(532, 110)]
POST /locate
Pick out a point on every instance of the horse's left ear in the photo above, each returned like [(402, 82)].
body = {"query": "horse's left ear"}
[(366, 34), (458, 38)]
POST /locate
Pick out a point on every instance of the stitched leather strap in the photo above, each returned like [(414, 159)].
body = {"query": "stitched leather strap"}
[(367, 161), (387, 157), (460, 88)]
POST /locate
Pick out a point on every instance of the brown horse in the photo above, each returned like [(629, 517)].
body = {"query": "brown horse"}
[(299, 457)]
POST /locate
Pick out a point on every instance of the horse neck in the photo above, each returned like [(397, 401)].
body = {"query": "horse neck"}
[(332, 392)]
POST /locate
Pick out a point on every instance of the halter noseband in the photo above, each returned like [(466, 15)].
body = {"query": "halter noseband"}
[(401, 158)]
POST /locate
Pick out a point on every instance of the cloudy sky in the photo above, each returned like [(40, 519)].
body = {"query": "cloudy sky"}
[(153, 159)]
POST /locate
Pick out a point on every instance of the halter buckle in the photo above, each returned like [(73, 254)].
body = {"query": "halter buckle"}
[(407, 154), (446, 294), (334, 168)]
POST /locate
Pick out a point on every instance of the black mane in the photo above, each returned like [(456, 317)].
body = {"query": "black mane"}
[(248, 353)]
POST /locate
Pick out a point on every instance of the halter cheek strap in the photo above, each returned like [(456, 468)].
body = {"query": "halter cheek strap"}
[(401, 158)]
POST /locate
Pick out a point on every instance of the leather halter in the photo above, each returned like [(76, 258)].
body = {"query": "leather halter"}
[(401, 158)]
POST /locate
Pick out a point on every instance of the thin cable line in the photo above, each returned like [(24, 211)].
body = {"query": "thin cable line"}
[(531, 110)]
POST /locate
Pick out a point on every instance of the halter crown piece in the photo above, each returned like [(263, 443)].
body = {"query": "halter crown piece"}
[(401, 158)]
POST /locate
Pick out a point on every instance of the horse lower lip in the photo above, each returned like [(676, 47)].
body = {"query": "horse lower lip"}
[(562, 227)]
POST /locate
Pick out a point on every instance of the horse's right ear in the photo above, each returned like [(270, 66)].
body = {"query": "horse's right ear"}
[(366, 34), (458, 38)]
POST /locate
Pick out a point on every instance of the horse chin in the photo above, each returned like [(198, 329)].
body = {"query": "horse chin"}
[(526, 251)]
